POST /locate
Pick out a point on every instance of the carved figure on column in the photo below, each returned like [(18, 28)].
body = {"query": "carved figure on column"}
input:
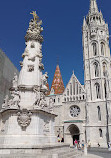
[(15, 81), (43, 102), (51, 104), (44, 81), (15, 99)]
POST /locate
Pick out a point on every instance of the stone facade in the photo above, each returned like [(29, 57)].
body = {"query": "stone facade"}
[(84, 112), (7, 70)]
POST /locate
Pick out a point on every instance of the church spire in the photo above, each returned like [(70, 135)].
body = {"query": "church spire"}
[(93, 7), (57, 83)]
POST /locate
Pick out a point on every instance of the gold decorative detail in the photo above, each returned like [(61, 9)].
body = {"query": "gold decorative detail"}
[(35, 16)]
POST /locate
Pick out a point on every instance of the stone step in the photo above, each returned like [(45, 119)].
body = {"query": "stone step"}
[(70, 154)]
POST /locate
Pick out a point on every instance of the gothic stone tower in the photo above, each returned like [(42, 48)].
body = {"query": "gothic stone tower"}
[(97, 76)]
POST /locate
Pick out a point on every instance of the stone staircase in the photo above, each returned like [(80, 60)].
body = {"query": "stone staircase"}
[(71, 153)]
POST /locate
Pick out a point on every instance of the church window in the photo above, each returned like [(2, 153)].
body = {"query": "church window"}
[(58, 100), (54, 100), (65, 99), (105, 89), (97, 86), (74, 111), (99, 113), (73, 86), (102, 49), (94, 46), (79, 90), (96, 70), (70, 89), (100, 133), (68, 92), (76, 88), (73, 98), (76, 98), (83, 97), (104, 69), (80, 98), (70, 99)]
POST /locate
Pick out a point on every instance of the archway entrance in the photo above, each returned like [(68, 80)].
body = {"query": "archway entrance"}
[(75, 133)]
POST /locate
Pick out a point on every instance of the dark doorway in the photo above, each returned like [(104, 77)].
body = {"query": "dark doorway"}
[(74, 131), (75, 137)]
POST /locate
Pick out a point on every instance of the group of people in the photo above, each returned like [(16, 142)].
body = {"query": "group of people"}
[(80, 145), (59, 139)]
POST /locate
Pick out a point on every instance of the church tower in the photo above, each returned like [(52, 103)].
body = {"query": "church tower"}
[(97, 75)]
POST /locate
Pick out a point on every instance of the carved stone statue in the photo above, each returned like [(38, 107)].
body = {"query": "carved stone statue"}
[(15, 81), (14, 101), (43, 102), (44, 81)]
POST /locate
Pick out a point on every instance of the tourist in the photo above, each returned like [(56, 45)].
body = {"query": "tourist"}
[(98, 145), (82, 144), (58, 138), (75, 143), (62, 140)]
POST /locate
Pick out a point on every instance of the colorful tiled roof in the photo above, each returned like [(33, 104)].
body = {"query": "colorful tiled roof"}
[(48, 92), (57, 83)]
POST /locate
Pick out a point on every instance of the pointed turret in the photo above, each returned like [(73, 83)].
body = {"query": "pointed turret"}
[(57, 83), (84, 22), (93, 7)]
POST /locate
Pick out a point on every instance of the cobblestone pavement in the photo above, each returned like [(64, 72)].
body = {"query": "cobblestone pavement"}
[(103, 154), (91, 156)]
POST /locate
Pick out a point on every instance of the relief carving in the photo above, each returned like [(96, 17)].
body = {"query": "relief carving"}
[(24, 118)]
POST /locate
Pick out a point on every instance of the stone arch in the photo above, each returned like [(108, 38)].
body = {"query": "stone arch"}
[(74, 132), (94, 48)]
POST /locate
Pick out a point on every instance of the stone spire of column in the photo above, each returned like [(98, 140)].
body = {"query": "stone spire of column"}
[(93, 7), (57, 83)]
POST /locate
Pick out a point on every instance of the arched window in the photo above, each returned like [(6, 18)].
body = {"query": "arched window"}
[(102, 48), (104, 69), (76, 88), (105, 89), (68, 92), (96, 69), (73, 86), (94, 46), (65, 99), (58, 100), (100, 133), (70, 89), (79, 90), (98, 95), (99, 113)]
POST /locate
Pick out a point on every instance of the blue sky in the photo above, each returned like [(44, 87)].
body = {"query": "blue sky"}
[(62, 22)]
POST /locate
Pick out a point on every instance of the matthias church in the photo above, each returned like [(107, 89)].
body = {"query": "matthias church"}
[(84, 111)]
